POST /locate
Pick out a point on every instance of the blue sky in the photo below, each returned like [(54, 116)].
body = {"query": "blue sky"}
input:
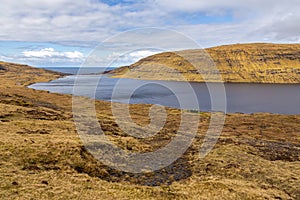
[(64, 32)]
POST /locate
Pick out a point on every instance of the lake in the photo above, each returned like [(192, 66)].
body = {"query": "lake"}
[(243, 98), (77, 70)]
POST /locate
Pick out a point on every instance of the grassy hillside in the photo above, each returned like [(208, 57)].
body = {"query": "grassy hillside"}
[(42, 157), (247, 63)]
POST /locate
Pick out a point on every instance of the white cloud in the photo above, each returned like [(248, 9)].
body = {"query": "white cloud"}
[(116, 58), (254, 6), (74, 55), (50, 52), (47, 52), (137, 55), (89, 20)]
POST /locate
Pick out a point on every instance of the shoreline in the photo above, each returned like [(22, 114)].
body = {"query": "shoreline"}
[(209, 82)]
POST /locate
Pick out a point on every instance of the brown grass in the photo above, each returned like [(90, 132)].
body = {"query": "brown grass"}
[(42, 157), (244, 63)]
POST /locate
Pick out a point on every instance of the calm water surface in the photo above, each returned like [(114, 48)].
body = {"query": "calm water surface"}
[(245, 98)]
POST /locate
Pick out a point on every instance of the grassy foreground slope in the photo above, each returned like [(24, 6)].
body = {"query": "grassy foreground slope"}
[(42, 157), (246, 63)]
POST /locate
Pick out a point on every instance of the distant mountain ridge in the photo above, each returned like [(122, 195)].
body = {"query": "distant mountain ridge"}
[(245, 63)]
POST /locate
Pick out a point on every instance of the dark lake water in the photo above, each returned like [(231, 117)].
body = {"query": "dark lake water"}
[(244, 98)]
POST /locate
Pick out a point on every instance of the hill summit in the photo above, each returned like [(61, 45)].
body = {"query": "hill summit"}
[(245, 63)]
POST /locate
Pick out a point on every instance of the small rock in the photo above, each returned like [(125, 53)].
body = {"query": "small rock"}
[(45, 182), (15, 183)]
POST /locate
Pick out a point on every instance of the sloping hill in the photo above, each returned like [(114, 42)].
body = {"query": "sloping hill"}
[(23, 75), (248, 63), (42, 157)]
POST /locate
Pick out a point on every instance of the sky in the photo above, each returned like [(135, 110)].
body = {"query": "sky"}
[(63, 33)]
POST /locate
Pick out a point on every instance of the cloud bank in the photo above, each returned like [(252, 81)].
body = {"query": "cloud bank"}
[(51, 53), (92, 20)]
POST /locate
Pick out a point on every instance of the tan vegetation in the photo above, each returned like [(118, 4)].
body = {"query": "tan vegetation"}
[(42, 157), (246, 63)]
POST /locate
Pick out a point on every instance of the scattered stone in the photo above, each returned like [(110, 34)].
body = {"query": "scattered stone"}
[(15, 183), (45, 182)]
